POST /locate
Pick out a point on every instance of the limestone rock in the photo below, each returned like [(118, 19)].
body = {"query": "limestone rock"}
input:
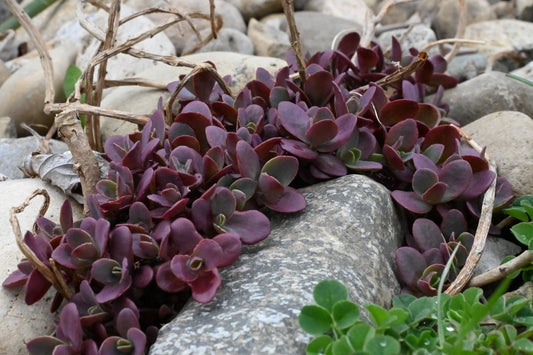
[(7, 128), (504, 9), (524, 9), (525, 72), (182, 34), (143, 100), (14, 150), (4, 72), (447, 14), (495, 250), (352, 10), (228, 40), (501, 35), (349, 231), (20, 322), (486, 93), (22, 94), (467, 66), (399, 13), (418, 37), (256, 8), (317, 32), (508, 137)]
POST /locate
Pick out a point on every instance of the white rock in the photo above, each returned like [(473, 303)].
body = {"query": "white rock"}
[(501, 35), (20, 322), (228, 40), (7, 127), (256, 8), (353, 10), (418, 37), (22, 94)]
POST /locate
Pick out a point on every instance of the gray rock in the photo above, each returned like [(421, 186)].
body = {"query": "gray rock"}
[(399, 13), (467, 66), (256, 8), (525, 72), (317, 32), (508, 137), (486, 93), (352, 10), (447, 14), (14, 150), (228, 40), (504, 9), (349, 231), (22, 94), (418, 37), (495, 250), (4, 72), (20, 322), (7, 128), (524, 9), (501, 36)]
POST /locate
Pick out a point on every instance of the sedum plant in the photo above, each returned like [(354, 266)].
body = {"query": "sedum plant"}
[(183, 195)]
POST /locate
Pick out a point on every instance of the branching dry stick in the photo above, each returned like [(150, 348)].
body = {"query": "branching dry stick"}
[(203, 42), (55, 278), (296, 43), (451, 40), (482, 229), (500, 272), (461, 26), (372, 21), (214, 30)]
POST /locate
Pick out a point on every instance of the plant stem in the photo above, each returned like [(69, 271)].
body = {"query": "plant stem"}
[(440, 319), (32, 9), (498, 273), (296, 43)]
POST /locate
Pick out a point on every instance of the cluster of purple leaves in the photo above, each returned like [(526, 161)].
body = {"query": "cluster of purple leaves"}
[(182, 198)]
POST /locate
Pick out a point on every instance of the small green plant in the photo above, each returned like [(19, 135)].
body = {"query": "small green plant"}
[(499, 326), (522, 210)]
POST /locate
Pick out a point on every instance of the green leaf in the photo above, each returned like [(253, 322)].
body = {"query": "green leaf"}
[(315, 320), (360, 334), (523, 232), (318, 345), (383, 345), (472, 295), (528, 206), (524, 345), (421, 309), (72, 75), (518, 213), (403, 301), (342, 347), (329, 292), (345, 314), (378, 315)]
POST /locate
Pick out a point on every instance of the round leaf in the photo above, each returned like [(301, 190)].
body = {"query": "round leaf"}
[(315, 320), (329, 292), (345, 314)]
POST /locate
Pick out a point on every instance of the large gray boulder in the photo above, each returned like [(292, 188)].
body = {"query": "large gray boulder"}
[(349, 232)]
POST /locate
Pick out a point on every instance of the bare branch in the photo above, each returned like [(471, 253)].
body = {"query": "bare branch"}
[(296, 43), (370, 26), (451, 40), (500, 272), (461, 26)]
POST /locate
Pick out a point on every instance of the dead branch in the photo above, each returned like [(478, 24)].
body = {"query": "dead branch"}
[(55, 278), (296, 43), (482, 228), (451, 40), (203, 42), (461, 26), (500, 272), (372, 21)]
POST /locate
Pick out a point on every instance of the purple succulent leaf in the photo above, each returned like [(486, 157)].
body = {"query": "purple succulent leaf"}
[(423, 180), (201, 214), (330, 164), (410, 265), (198, 107), (222, 202), (126, 320), (392, 157), (216, 136), (453, 222), (406, 132), (266, 148), (426, 234), (76, 237), (433, 256), (366, 59), (16, 279), (140, 215), (298, 149), (106, 271), (278, 94), (294, 119), (291, 201), (446, 81), (65, 216), (466, 239), (144, 246), (39, 245), (175, 210), (346, 125), (133, 158), (114, 148), (63, 255), (349, 43), (124, 181), (231, 246), (398, 110), (183, 236), (250, 226), (120, 244), (410, 91), (143, 276), (456, 175), (411, 201), (114, 291), (318, 87), (248, 160), (48, 228), (253, 114), (424, 73), (205, 287), (138, 338), (435, 194), (428, 114), (317, 174), (321, 132), (210, 252), (36, 287), (282, 168), (69, 327), (446, 135), (85, 252), (425, 288), (271, 190), (179, 265), (43, 345), (244, 185), (434, 153), (479, 183), (167, 281), (339, 102)]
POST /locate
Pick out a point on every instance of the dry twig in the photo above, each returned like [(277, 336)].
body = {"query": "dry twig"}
[(500, 272), (372, 21), (296, 43), (55, 278), (461, 26), (482, 229)]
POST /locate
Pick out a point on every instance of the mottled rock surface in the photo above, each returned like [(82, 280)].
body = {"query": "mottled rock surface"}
[(508, 137), (7, 127), (495, 250), (417, 37), (14, 150), (349, 232), (487, 93), (20, 322), (228, 40)]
